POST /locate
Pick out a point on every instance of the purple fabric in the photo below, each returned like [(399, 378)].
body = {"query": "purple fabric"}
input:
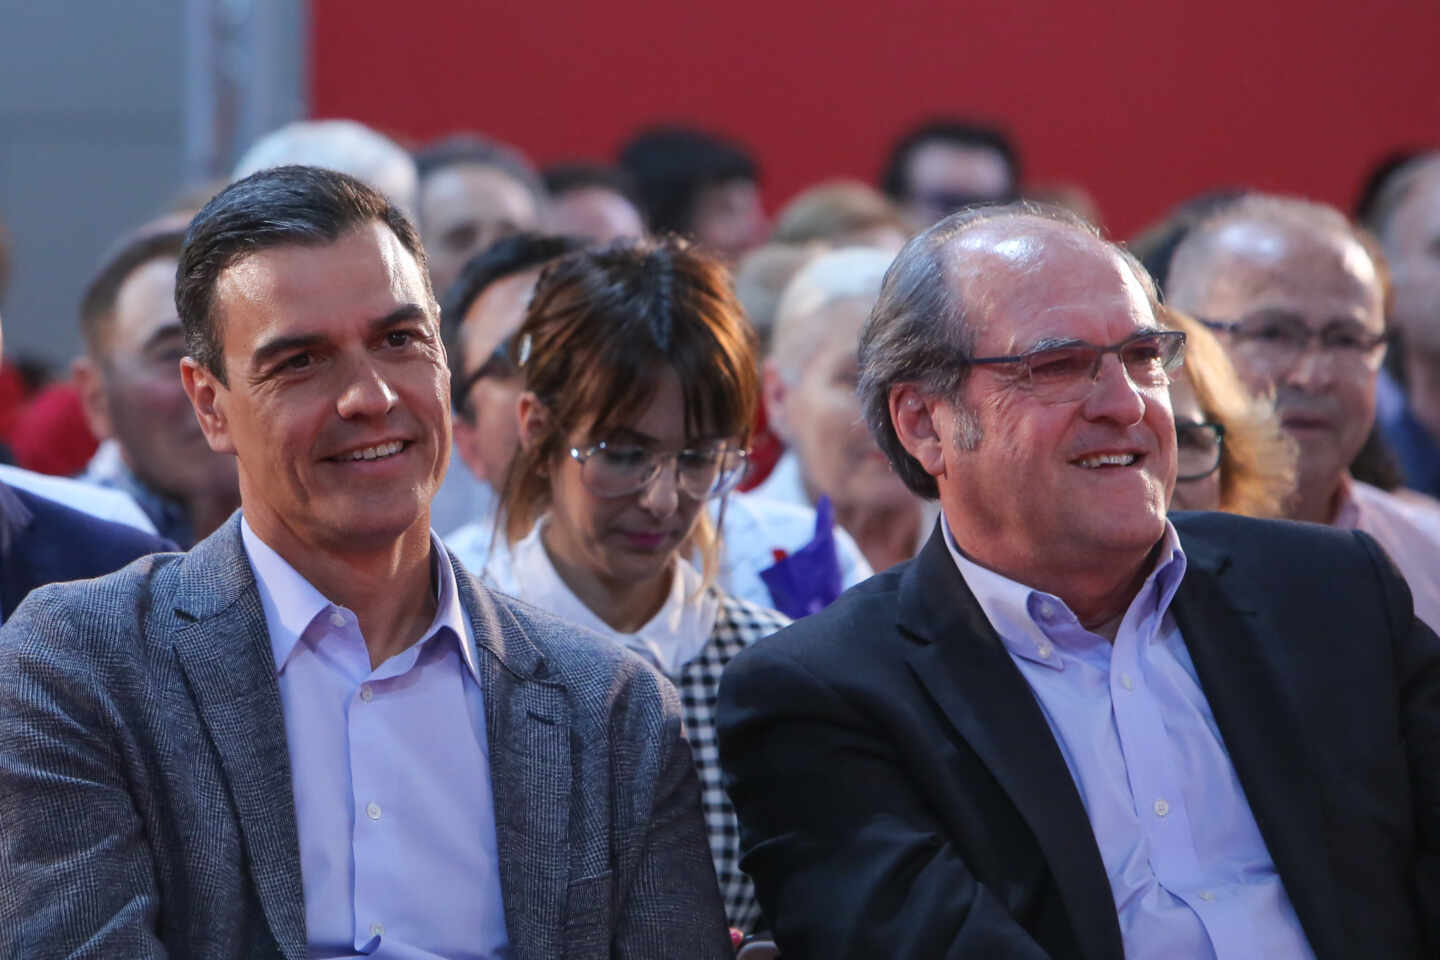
[(809, 579)]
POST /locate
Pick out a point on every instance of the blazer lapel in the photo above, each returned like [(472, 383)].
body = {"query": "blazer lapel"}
[(14, 518), (962, 663), (1249, 697), (225, 654), (527, 724)]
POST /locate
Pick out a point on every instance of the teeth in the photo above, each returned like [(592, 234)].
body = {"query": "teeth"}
[(1108, 460), (378, 452)]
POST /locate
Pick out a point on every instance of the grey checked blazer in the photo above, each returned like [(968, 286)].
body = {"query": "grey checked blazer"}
[(145, 795)]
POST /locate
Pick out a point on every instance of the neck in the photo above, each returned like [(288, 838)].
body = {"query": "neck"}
[(1316, 501), (208, 512), (886, 535), (390, 588), (624, 606)]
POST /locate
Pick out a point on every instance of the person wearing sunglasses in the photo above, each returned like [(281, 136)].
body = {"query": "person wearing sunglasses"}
[(639, 392), (1297, 295), (1231, 453)]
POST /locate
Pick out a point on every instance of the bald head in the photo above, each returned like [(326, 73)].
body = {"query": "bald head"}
[(825, 302), (1408, 220)]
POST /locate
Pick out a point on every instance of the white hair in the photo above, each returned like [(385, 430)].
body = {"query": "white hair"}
[(844, 274), (341, 145)]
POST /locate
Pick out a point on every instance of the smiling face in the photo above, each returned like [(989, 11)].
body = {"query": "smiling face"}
[(1055, 485), (337, 407), (630, 539)]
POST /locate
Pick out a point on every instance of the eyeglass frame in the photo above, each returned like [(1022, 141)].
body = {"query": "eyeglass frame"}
[(581, 454), (1376, 341), (1171, 336), (1213, 426)]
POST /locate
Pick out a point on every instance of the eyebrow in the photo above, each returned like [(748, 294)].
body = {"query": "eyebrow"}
[(279, 346)]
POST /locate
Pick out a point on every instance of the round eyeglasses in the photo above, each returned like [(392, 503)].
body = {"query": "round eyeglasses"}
[(1198, 448), (611, 470), (1064, 371)]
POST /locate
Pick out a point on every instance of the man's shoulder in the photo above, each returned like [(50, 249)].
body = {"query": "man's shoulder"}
[(85, 542), (852, 629)]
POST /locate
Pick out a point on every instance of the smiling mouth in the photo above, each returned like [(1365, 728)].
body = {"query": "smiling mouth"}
[(1107, 460), (381, 451)]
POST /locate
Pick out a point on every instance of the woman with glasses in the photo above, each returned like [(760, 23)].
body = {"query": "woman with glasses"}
[(639, 391), (1233, 454)]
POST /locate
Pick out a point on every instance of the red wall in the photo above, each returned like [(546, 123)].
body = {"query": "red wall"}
[(1142, 102)]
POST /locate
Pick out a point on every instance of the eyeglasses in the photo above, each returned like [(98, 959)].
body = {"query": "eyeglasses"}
[(1281, 338), (611, 470), (1198, 447), (1067, 371)]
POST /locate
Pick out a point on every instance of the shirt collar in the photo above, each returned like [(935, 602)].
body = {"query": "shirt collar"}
[(291, 603), (668, 641), (1029, 620)]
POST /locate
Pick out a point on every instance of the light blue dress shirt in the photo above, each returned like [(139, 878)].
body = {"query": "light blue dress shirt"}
[(391, 776), (1188, 868)]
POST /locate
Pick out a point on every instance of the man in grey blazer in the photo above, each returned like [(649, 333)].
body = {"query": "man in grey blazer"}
[(315, 734)]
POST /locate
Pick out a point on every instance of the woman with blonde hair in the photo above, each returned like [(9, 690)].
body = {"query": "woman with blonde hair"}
[(640, 387), (1233, 454)]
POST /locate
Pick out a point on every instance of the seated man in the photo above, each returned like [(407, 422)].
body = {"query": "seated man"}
[(1071, 727), (1298, 297), (129, 382), (316, 734), (810, 396)]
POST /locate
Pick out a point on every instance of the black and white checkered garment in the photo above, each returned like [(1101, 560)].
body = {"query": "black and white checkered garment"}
[(737, 625)]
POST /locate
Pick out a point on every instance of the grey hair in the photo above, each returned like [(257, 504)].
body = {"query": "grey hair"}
[(921, 333), (344, 146)]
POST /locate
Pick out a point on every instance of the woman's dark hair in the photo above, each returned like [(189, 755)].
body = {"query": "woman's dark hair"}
[(603, 328), (670, 166)]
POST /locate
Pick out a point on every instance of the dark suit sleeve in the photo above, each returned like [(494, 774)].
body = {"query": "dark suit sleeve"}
[(848, 860), (1417, 660), (672, 905), (76, 877)]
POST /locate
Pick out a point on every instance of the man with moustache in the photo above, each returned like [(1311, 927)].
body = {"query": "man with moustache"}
[(315, 734), (1298, 296), (1074, 727)]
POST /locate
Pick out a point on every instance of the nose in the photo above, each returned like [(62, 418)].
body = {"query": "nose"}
[(366, 393), (1114, 395), (660, 497), (1310, 368)]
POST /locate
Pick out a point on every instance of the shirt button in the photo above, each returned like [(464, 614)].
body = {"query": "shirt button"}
[(372, 810), (1126, 682), (1207, 896), (1044, 650), (337, 618), (366, 693), (1161, 808), (377, 929)]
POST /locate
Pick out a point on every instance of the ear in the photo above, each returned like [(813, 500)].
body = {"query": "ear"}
[(90, 383), (534, 420), (208, 396), (915, 417), (774, 390)]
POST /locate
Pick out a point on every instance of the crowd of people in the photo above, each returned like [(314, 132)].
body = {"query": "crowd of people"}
[(431, 555)]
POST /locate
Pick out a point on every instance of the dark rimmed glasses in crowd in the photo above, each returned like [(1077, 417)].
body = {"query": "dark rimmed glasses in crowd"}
[(1198, 448), (1279, 338), (610, 469), (1061, 371)]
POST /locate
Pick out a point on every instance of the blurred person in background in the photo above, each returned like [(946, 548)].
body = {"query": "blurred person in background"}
[(1233, 455), (945, 164), (1298, 296), (698, 185), (639, 392), (481, 310), (473, 191), (129, 382), (1405, 215), (342, 145), (593, 201), (841, 213), (810, 379)]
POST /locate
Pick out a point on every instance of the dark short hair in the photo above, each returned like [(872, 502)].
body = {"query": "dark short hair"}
[(562, 178), (895, 179), (602, 329), (281, 206), (97, 306), (672, 165), (464, 149), (506, 257)]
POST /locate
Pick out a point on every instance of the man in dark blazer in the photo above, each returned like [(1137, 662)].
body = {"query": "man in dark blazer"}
[(42, 541), (316, 734), (1071, 727)]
